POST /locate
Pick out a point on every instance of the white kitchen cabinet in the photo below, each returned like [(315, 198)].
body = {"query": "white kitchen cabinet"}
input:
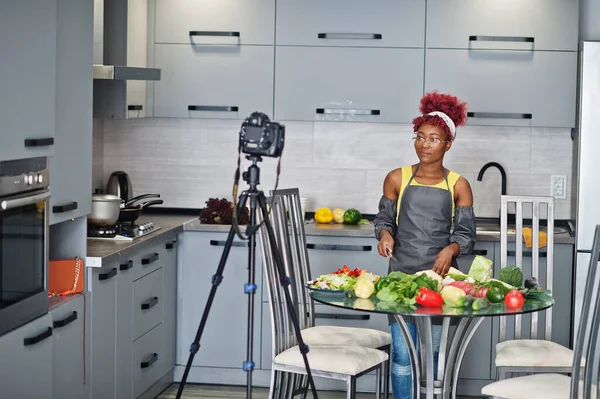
[(71, 166), (391, 23), (213, 81), (223, 22), (26, 362), (28, 76), (507, 87), (68, 340), (347, 84), (507, 24)]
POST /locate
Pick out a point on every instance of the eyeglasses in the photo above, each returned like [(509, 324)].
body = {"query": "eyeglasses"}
[(433, 141)]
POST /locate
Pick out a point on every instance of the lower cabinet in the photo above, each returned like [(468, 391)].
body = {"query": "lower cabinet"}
[(69, 347), (26, 362)]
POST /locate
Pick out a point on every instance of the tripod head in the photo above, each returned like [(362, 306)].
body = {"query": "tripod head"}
[(252, 175)]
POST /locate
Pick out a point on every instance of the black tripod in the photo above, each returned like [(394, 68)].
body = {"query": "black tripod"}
[(252, 178)]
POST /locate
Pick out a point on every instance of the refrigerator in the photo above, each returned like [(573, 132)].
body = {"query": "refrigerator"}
[(586, 168)]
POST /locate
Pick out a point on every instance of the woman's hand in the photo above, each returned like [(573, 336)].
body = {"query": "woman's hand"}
[(444, 259), (385, 240)]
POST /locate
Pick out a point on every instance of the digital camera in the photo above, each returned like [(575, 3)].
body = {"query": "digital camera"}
[(260, 136)]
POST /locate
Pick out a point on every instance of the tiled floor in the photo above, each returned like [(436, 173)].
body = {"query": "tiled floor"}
[(192, 391)]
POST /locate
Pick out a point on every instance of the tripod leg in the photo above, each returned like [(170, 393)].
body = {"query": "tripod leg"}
[(250, 289), (285, 281), (216, 280)]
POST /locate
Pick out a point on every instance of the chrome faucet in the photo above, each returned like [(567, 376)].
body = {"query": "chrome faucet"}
[(500, 168)]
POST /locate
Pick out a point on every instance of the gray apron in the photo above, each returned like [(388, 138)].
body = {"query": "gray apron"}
[(424, 223)]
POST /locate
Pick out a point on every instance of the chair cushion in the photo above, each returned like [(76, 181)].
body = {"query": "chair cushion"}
[(532, 353), (350, 360), (336, 335), (546, 386)]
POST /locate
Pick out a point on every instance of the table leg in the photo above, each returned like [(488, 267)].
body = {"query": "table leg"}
[(426, 342), (473, 325), (412, 351)]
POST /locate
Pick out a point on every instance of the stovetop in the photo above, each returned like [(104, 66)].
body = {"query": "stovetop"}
[(124, 231)]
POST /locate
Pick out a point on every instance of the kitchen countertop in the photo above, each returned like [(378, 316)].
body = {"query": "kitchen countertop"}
[(360, 231), (109, 250)]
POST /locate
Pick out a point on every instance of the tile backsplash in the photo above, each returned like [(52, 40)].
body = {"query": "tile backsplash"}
[(334, 164)]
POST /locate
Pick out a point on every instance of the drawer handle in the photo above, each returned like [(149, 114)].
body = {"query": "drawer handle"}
[(109, 275), (135, 107), (342, 316), (151, 259), (126, 266), (170, 245), (38, 338), (339, 247), (527, 254), (65, 321), (519, 39), (150, 362), (482, 252), (64, 208), (369, 36), (150, 304), (216, 108), (499, 115), (214, 33), (233, 244), (42, 142), (346, 111)]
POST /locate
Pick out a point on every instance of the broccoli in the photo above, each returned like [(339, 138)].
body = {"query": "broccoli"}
[(511, 275)]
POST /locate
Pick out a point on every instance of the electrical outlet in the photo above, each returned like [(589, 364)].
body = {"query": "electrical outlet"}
[(558, 186)]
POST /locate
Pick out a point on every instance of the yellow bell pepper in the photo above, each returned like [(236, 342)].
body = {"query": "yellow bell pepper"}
[(323, 215)]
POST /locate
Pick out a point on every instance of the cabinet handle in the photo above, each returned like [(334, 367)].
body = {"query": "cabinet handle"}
[(150, 304), (65, 321), (370, 36), (150, 362), (482, 252), (214, 33), (170, 245), (38, 338), (109, 275), (43, 142), (217, 108), (519, 39), (342, 316), (233, 244), (151, 259), (135, 107), (499, 115), (346, 111), (126, 266), (64, 208), (527, 254), (339, 247)]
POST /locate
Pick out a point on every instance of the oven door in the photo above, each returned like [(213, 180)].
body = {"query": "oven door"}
[(23, 258)]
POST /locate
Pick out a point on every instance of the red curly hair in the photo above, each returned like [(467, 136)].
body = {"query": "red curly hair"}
[(446, 103)]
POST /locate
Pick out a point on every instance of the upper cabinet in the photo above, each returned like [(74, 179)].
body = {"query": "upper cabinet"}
[(27, 78), (506, 24), (390, 23), (224, 22)]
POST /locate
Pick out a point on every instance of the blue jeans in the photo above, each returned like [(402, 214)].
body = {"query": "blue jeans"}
[(401, 368)]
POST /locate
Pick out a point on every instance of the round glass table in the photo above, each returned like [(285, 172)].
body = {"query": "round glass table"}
[(452, 345)]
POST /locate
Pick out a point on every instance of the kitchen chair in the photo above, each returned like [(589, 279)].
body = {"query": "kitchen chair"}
[(583, 382), (288, 200), (345, 362), (538, 353)]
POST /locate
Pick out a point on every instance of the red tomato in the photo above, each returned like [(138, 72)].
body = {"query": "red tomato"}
[(514, 299)]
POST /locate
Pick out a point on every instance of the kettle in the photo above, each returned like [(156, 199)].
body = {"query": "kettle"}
[(119, 184)]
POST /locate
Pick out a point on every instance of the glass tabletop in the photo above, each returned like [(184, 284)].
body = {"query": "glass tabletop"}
[(374, 305)]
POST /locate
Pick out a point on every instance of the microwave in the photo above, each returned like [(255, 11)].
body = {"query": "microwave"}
[(24, 226)]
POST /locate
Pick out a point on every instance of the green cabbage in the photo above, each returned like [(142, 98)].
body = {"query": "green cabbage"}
[(481, 269), (511, 275)]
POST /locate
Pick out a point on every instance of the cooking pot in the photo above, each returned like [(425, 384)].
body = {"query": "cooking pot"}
[(105, 210), (119, 184), (131, 214)]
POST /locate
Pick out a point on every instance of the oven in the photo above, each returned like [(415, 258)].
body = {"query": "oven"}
[(24, 219)]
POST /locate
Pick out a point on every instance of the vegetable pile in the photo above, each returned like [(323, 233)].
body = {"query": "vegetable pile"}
[(338, 215), (220, 211), (341, 279)]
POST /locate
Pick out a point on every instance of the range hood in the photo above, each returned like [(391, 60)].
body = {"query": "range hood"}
[(120, 41)]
